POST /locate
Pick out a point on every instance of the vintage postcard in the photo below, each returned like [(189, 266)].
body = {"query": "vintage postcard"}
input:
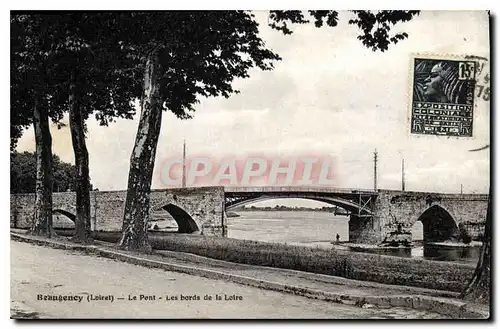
[(250, 165)]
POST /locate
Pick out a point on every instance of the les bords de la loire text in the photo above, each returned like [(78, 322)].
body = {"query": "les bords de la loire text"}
[(141, 297)]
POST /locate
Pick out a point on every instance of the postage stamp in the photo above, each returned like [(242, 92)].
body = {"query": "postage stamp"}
[(442, 96)]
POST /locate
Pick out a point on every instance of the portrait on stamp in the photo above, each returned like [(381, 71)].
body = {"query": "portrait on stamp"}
[(442, 97)]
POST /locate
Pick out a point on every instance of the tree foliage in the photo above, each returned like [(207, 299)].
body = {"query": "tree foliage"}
[(23, 173), (30, 73), (47, 48), (201, 53), (375, 26)]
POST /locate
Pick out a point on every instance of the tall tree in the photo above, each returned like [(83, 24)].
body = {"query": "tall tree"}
[(191, 54), (31, 98), (88, 74), (102, 80), (185, 55)]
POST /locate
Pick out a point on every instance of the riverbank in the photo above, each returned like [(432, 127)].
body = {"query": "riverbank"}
[(352, 265), (366, 295), (364, 247)]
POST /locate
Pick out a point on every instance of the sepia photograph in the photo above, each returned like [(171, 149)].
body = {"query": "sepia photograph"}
[(250, 164)]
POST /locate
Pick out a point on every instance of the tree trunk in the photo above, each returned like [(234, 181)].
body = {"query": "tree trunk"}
[(478, 289), (77, 127), (136, 215), (42, 221)]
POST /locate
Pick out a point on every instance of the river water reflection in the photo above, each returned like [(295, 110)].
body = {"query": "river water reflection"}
[(319, 229)]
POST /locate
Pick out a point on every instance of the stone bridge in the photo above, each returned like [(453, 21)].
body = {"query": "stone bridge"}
[(374, 216), (440, 213)]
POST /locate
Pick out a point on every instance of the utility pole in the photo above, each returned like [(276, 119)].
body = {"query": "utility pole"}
[(403, 174), (184, 165), (375, 159), (461, 189)]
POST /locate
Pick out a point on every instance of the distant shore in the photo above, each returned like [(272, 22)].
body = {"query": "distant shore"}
[(285, 208)]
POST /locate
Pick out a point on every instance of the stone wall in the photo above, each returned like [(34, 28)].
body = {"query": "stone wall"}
[(396, 209), (204, 205), (22, 207), (107, 210), (362, 230)]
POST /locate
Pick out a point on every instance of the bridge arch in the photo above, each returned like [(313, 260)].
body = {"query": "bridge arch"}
[(66, 213), (58, 222), (359, 218), (185, 223), (438, 224), (336, 201)]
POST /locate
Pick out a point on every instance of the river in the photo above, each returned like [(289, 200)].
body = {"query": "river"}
[(319, 229)]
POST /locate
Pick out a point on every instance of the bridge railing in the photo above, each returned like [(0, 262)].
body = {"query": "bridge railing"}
[(247, 189)]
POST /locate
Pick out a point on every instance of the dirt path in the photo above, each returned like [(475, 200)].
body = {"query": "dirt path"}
[(43, 271)]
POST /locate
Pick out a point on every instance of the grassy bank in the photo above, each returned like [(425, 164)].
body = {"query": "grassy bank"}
[(353, 265)]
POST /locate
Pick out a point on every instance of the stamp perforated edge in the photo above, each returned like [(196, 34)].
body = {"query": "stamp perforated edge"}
[(447, 56)]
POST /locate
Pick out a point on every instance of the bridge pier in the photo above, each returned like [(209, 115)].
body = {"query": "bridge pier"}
[(362, 230)]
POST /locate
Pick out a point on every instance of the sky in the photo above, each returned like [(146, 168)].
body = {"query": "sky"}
[(329, 96)]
